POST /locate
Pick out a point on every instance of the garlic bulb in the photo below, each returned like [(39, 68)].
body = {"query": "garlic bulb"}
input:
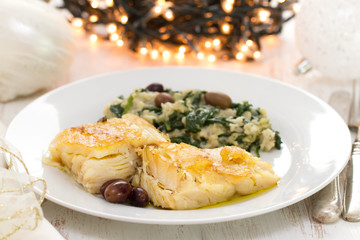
[(36, 47), (328, 36)]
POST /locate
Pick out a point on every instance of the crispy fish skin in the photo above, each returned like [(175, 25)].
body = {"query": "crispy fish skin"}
[(96, 152), (181, 176)]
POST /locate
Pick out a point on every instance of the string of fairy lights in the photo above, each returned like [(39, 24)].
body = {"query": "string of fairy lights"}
[(205, 29)]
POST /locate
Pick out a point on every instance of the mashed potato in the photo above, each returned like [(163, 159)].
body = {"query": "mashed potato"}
[(188, 118)]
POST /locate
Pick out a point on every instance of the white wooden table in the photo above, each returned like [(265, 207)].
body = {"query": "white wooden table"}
[(279, 58)]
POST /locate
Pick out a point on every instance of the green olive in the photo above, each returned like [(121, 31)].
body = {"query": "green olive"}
[(218, 99), (163, 97)]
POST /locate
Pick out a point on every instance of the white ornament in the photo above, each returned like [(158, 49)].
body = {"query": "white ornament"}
[(328, 36), (36, 47)]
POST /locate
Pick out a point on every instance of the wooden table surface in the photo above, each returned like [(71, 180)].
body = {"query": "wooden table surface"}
[(279, 58)]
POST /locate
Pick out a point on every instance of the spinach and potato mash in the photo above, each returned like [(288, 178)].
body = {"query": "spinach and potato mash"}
[(200, 118)]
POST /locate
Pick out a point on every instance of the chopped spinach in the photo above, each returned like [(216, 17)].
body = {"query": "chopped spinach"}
[(221, 121), (155, 109), (167, 126), (175, 122), (188, 140), (223, 138), (225, 135), (189, 94), (196, 116), (241, 108), (196, 119), (184, 139), (240, 138), (128, 104), (162, 126), (241, 143), (117, 110), (195, 98), (255, 147), (277, 140)]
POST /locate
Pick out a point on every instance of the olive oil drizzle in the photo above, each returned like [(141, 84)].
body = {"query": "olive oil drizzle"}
[(238, 199)]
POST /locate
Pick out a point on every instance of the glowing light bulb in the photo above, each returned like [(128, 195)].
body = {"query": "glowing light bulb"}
[(281, 1), (180, 55), (93, 18), (157, 9), (95, 4), (124, 19), (154, 54), (228, 7), (182, 49), (208, 44), (208, 15), (225, 28), (93, 37), (216, 42), (296, 7), (166, 54), (162, 30), (239, 56), (109, 3), (114, 37), (257, 54), (200, 55), (249, 43), (244, 48), (143, 51), (77, 22), (264, 15), (111, 28), (120, 42), (211, 58), (169, 15)]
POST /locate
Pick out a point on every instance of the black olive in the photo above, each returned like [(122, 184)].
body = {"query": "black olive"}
[(139, 197), (118, 191), (155, 87), (103, 187)]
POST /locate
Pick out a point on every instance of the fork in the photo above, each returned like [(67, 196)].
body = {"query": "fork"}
[(327, 204), (351, 211)]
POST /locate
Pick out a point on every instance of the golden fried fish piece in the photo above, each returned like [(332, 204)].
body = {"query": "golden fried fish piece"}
[(181, 176), (96, 152)]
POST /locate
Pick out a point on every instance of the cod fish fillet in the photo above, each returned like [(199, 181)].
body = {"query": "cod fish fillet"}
[(96, 152), (181, 176)]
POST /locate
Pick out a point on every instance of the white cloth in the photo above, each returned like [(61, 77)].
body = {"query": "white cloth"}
[(20, 211), (44, 231)]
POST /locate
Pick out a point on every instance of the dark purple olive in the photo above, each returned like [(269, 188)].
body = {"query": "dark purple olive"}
[(103, 187), (218, 99), (118, 191), (155, 87), (163, 98), (139, 197)]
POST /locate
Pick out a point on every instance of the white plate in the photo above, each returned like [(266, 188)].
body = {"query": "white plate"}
[(316, 141)]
